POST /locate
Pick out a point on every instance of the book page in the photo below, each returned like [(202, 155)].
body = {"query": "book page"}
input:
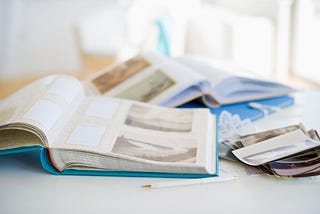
[(159, 147), (214, 74), (45, 104), (148, 77), (12, 107), (232, 84), (15, 138), (239, 89), (137, 132)]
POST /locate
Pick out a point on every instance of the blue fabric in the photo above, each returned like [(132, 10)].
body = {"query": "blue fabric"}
[(164, 24)]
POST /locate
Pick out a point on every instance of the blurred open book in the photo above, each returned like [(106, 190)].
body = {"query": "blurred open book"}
[(155, 78)]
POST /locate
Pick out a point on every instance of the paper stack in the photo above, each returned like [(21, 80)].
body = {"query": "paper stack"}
[(284, 152)]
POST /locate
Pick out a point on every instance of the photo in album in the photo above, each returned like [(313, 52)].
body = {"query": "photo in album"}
[(165, 119), (157, 149), (148, 88), (119, 73)]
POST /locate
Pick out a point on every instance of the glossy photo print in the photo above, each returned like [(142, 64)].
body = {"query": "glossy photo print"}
[(110, 79), (148, 88), (159, 119)]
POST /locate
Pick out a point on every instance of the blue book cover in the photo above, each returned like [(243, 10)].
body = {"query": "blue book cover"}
[(252, 110), (47, 165)]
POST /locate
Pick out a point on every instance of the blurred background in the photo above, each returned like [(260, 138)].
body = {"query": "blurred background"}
[(275, 38)]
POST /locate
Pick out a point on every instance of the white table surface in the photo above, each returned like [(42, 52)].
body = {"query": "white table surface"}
[(26, 188)]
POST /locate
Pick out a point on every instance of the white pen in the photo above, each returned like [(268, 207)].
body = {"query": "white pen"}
[(185, 182)]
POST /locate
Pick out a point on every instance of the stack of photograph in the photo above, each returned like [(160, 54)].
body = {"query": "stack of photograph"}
[(288, 152)]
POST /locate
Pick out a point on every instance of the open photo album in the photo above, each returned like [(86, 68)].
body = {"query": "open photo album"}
[(154, 78), (85, 133)]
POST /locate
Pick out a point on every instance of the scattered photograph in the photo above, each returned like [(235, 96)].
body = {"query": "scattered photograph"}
[(279, 152), (314, 134), (262, 136), (300, 166), (226, 152), (160, 119), (120, 73), (148, 88), (153, 151)]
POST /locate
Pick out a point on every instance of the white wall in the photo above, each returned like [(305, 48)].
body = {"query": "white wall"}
[(306, 43), (224, 31), (266, 8), (40, 37), (37, 36)]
